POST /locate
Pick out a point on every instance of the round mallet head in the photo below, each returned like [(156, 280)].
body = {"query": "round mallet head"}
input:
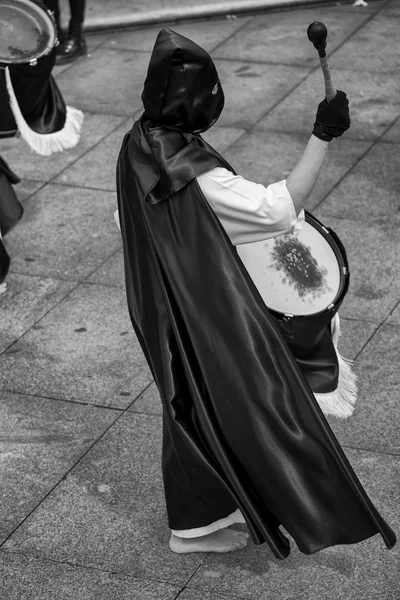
[(317, 34)]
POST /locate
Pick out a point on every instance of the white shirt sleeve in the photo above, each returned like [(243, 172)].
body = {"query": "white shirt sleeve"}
[(249, 212)]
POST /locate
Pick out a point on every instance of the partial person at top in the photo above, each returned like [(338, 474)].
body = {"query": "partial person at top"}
[(72, 43)]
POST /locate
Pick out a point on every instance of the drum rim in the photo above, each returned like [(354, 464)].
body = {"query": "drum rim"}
[(341, 257), (52, 32)]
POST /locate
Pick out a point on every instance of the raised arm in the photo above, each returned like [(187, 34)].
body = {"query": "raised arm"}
[(332, 120)]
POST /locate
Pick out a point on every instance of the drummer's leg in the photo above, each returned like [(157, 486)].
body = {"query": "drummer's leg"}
[(77, 8), (74, 45)]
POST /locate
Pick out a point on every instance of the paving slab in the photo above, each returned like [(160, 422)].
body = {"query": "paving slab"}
[(374, 104), (109, 513), (108, 82), (355, 334), (391, 8), (77, 352), (393, 134), (251, 89), (26, 578), (272, 37), (148, 403), (381, 56), (394, 317), (374, 261), (27, 300), (195, 593), (361, 571), (269, 156), (111, 272), (40, 440), (370, 192), (26, 188), (207, 34), (66, 233), (375, 422), (98, 167), (29, 165)]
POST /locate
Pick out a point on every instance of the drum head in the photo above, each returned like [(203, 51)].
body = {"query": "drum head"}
[(296, 274), (27, 31)]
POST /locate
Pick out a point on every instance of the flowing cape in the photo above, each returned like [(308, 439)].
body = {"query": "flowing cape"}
[(241, 427), (11, 211)]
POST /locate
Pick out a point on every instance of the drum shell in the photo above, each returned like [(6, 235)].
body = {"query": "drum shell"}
[(304, 332)]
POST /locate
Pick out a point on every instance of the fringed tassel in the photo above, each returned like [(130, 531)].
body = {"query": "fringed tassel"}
[(341, 402), (47, 143)]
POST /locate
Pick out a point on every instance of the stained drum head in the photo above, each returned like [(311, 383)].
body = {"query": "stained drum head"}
[(296, 274), (27, 31)]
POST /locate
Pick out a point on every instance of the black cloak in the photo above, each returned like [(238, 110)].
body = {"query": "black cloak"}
[(241, 427), (11, 211)]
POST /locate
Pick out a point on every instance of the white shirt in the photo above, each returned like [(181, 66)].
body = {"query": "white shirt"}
[(248, 211)]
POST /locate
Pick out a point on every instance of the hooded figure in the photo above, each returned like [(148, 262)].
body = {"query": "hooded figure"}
[(244, 439)]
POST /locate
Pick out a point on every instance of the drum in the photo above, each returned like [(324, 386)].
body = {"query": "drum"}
[(27, 31), (302, 279)]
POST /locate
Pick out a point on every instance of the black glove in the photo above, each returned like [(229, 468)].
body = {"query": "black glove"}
[(333, 118)]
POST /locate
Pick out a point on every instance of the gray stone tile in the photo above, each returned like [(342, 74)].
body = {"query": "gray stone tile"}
[(267, 156), (77, 352), (97, 168), (370, 192), (111, 271), (149, 402), (110, 81), (27, 300), (374, 261), (251, 89), (196, 593), (109, 513), (394, 318), (391, 8), (27, 188), (93, 41), (207, 34), (382, 54), (365, 570), (376, 421), (393, 135), (27, 578), (66, 233), (40, 440), (281, 37), (373, 105), (354, 335), (222, 138), (29, 165)]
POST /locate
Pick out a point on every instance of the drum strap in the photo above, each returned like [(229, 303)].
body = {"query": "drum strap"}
[(341, 402), (46, 144)]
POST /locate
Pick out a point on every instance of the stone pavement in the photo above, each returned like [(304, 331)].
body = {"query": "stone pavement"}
[(82, 513)]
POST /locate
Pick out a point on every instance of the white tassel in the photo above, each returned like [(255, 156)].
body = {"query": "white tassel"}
[(47, 143), (341, 402)]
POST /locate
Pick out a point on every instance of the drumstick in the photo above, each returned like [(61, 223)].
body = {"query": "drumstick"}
[(317, 34)]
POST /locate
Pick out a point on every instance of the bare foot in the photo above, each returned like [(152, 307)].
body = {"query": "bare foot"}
[(223, 540)]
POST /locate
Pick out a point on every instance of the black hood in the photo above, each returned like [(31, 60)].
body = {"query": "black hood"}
[(182, 88)]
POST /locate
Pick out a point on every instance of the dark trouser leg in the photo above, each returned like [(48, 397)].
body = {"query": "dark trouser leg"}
[(77, 11), (74, 45)]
